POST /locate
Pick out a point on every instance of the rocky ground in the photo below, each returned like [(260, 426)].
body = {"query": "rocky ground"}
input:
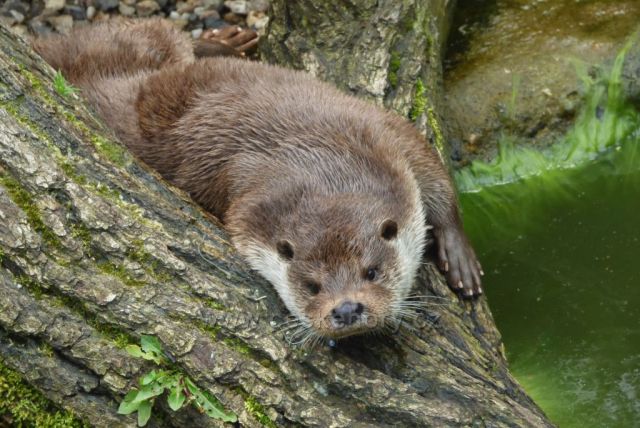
[(47, 16)]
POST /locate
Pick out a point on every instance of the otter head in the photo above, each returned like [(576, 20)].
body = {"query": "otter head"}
[(347, 262)]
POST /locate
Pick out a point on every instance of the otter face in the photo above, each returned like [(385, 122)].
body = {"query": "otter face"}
[(350, 276)]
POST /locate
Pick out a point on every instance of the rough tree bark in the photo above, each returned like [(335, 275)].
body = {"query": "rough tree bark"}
[(386, 51), (96, 250)]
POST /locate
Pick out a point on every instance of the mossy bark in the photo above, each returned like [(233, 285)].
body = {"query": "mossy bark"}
[(386, 51), (96, 250)]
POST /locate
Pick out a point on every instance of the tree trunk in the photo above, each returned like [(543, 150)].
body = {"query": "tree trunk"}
[(96, 250), (386, 51)]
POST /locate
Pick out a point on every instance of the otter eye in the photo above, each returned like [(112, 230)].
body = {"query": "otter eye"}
[(388, 229), (285, 250), (312, 286), (371, 274)]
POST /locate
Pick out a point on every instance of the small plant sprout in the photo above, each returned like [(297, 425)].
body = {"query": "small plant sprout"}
[(182, 390), (62, 87)]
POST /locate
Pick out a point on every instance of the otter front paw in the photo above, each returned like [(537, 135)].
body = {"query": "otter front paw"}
[(227, 41), (458, 261)]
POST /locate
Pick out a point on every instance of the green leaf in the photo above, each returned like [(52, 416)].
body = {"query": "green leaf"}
[(147, 392), (152, 346), (135, 351), (210, 404), (176, 398), (128, 406), (144, 412), (149, 377)]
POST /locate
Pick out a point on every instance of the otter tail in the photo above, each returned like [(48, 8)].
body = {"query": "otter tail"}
[(114, 49)]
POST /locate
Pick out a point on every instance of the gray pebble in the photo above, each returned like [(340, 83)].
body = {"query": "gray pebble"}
[(259, 5), (62, 23), (147, 8), (196, 33), (17, 16), (77, 12), (106, 5), (239, 7), (91, 12), (53, 5), (126, 10)]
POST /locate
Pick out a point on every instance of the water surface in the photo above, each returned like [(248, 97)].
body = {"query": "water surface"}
[(562, 260)]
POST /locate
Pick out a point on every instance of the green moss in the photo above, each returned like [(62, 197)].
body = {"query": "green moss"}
[(394, 65), (419, 101), (25, 406), (212, 331), (36, 289), (112, 151), (237, 345), (111, 332), (46, 349), (213, 304), (257, 410), (119, 272), (24, 200), (432, 120)]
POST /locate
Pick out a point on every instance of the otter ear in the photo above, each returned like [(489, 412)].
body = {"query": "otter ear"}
[(388, 229), (285, 249)]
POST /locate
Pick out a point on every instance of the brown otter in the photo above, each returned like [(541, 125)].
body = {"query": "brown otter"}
[(327, 196)]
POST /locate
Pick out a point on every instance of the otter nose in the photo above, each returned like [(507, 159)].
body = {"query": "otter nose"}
[(346, 313)]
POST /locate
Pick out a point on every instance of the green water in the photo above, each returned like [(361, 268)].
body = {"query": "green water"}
[(562, 260)]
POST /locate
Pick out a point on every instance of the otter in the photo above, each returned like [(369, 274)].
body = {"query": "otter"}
[(327, 196)]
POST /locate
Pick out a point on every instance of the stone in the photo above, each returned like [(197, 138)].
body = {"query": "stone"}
[(257, 20), (20, 30), (232, 18), (62, 23), (126, 10), (77, 12), (106, 5), (196, 33), (39, 27), (259, 5), (91, 12), (53, 5), (213, 4), (174, 15), (17, 16), (239, 7), (214, 22), (147, 8)]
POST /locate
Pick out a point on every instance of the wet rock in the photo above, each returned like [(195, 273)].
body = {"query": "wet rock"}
[(147, 8), (62, 23), (512, 70)]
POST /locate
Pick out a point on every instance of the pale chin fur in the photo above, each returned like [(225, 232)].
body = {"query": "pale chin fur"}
[(410, 245), (275, 270)]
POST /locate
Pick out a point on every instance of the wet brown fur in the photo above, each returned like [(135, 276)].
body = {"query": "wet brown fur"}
[(274, 153)]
